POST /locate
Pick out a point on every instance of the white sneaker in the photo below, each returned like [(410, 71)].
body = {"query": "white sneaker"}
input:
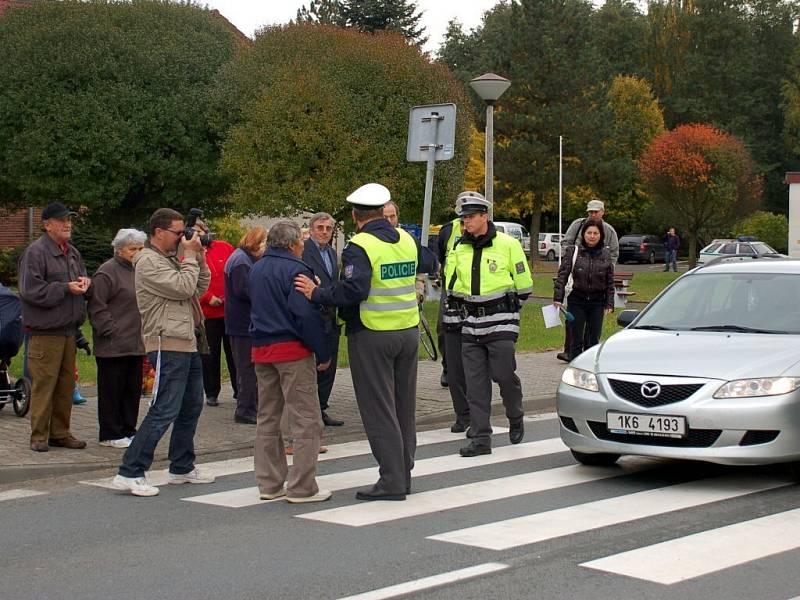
[(120, 443), (320, 496), (138, 486), (193, 476), (272, 496)]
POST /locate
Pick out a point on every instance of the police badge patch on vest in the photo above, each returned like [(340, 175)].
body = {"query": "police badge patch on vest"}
[(492, 266), (520, 267)]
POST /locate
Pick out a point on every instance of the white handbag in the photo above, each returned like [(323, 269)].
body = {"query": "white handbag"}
[(568, 287)]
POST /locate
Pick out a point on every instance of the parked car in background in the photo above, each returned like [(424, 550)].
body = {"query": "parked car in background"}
[(741, 245), (517, 231), (549, 246), (709, 370), (641, 248)]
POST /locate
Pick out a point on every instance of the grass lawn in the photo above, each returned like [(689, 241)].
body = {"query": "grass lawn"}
[(646, 285)]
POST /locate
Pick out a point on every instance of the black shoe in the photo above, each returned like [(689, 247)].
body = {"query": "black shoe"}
[(331, 422), (470, 433), (459, 426), (247, 420), (562, 356), (212, 401), (377, 494), (475, 449), (516, 432), (443, 379)]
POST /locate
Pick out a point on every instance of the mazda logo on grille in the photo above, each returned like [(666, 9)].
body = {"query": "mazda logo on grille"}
[(650, 389)]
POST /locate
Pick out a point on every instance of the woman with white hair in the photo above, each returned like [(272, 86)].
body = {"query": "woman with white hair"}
[(118, 346)]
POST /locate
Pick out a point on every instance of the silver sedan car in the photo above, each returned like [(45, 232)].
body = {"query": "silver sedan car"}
[(710, 370)]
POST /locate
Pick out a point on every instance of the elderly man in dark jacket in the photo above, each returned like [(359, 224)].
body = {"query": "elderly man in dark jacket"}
[(321, 257), (52, 284), (289, 347)]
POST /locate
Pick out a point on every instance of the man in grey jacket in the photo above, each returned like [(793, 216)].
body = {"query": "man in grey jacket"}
[(52, 284), (170, 276)]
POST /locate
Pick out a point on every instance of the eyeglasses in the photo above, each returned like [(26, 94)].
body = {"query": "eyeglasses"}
[(178, 233), (323, 227)]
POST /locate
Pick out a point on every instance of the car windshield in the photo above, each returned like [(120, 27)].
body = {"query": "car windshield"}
[(734, 302), (763, 248)]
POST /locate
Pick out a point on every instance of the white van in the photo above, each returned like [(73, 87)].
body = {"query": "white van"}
[(549, 246), (517, 231)]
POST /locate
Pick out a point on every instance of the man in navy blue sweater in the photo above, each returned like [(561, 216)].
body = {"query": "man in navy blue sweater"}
[(289, 347)]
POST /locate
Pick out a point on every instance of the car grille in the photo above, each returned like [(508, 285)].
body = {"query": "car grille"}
[(756, 436), (632, 392), (569, 423), (695, 438)]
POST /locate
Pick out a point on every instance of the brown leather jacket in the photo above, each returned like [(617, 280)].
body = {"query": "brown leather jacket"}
[(48, 308)]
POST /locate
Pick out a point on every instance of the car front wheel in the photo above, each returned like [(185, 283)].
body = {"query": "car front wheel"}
[(595, 460), (551, 255)]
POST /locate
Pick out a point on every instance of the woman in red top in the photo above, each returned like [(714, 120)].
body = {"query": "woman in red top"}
[(213, 305)]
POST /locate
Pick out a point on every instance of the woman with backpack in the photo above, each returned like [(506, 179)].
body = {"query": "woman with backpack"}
[(586, 280)]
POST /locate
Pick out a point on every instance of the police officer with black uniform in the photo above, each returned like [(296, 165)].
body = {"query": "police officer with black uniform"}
[(378, 303), (487, 277)]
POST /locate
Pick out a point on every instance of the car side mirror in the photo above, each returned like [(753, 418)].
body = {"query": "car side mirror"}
[(626, 317)]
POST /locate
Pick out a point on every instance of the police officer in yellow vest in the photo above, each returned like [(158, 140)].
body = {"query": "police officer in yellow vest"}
[(487, 277), (378, 303)]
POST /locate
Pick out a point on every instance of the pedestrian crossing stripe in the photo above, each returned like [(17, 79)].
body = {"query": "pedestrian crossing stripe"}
[(236, 466), (530, 529), (469, 494), (17, 494), (240, 498), (706, 552)]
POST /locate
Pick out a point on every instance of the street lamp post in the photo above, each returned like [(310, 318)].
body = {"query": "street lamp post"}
[(489, 87)]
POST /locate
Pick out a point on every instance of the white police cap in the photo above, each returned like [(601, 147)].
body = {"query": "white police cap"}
[(470, 202), (370, 195)]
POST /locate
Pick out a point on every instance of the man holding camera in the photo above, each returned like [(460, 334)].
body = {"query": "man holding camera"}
[(168, 287), (52, 285)]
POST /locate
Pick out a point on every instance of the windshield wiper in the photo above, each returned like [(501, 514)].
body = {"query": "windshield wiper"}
[(653, 327), (737, 328)]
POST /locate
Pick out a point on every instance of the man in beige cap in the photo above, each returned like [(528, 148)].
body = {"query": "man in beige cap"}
[(595, 210)]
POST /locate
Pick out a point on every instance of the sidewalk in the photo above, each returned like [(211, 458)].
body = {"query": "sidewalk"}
[(218, 433)]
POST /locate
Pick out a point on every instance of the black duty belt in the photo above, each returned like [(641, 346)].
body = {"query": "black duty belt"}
[(481, 310)]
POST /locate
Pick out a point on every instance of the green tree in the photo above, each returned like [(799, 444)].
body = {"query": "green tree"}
[(702, 181), (324, 12), (315, 111), (104, 105), (400, 16), (767, 227), (633, 118), (621, 31), (722, 62), (557, 72)]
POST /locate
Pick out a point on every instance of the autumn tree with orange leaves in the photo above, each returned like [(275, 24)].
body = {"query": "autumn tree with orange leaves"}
[(701, 179)]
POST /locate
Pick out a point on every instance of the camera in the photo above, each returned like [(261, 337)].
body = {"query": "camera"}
[(82, 343), (188, 232)]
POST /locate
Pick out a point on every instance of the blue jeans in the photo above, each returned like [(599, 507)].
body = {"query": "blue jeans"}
[(671, 258), (179, 402)]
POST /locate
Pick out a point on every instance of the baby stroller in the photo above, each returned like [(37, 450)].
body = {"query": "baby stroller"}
[(10, 340)]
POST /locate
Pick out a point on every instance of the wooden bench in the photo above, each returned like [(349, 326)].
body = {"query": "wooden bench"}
[(622, 280)]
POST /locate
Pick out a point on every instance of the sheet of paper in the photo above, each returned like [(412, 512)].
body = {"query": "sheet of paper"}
[(551, 317)]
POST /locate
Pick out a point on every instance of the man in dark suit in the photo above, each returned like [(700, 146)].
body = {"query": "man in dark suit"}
[(321, 257)]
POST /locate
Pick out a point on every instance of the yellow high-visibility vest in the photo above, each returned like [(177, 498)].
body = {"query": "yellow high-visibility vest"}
[(392, 301)]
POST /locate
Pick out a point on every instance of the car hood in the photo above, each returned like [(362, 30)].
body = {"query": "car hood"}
[(711, 355)]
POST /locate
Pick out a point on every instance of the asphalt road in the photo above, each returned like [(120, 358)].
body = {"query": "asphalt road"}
[(522, 523)]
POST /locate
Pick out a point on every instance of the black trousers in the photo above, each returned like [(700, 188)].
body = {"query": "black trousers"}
[(326, 378), (440, 334), (455, 375), (588, 324), (384, 369), (119, 387), (485, 362), (217, 340), (246, 382)]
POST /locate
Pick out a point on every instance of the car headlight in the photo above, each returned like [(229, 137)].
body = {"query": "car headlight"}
[(768, 386), (579, 378)]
